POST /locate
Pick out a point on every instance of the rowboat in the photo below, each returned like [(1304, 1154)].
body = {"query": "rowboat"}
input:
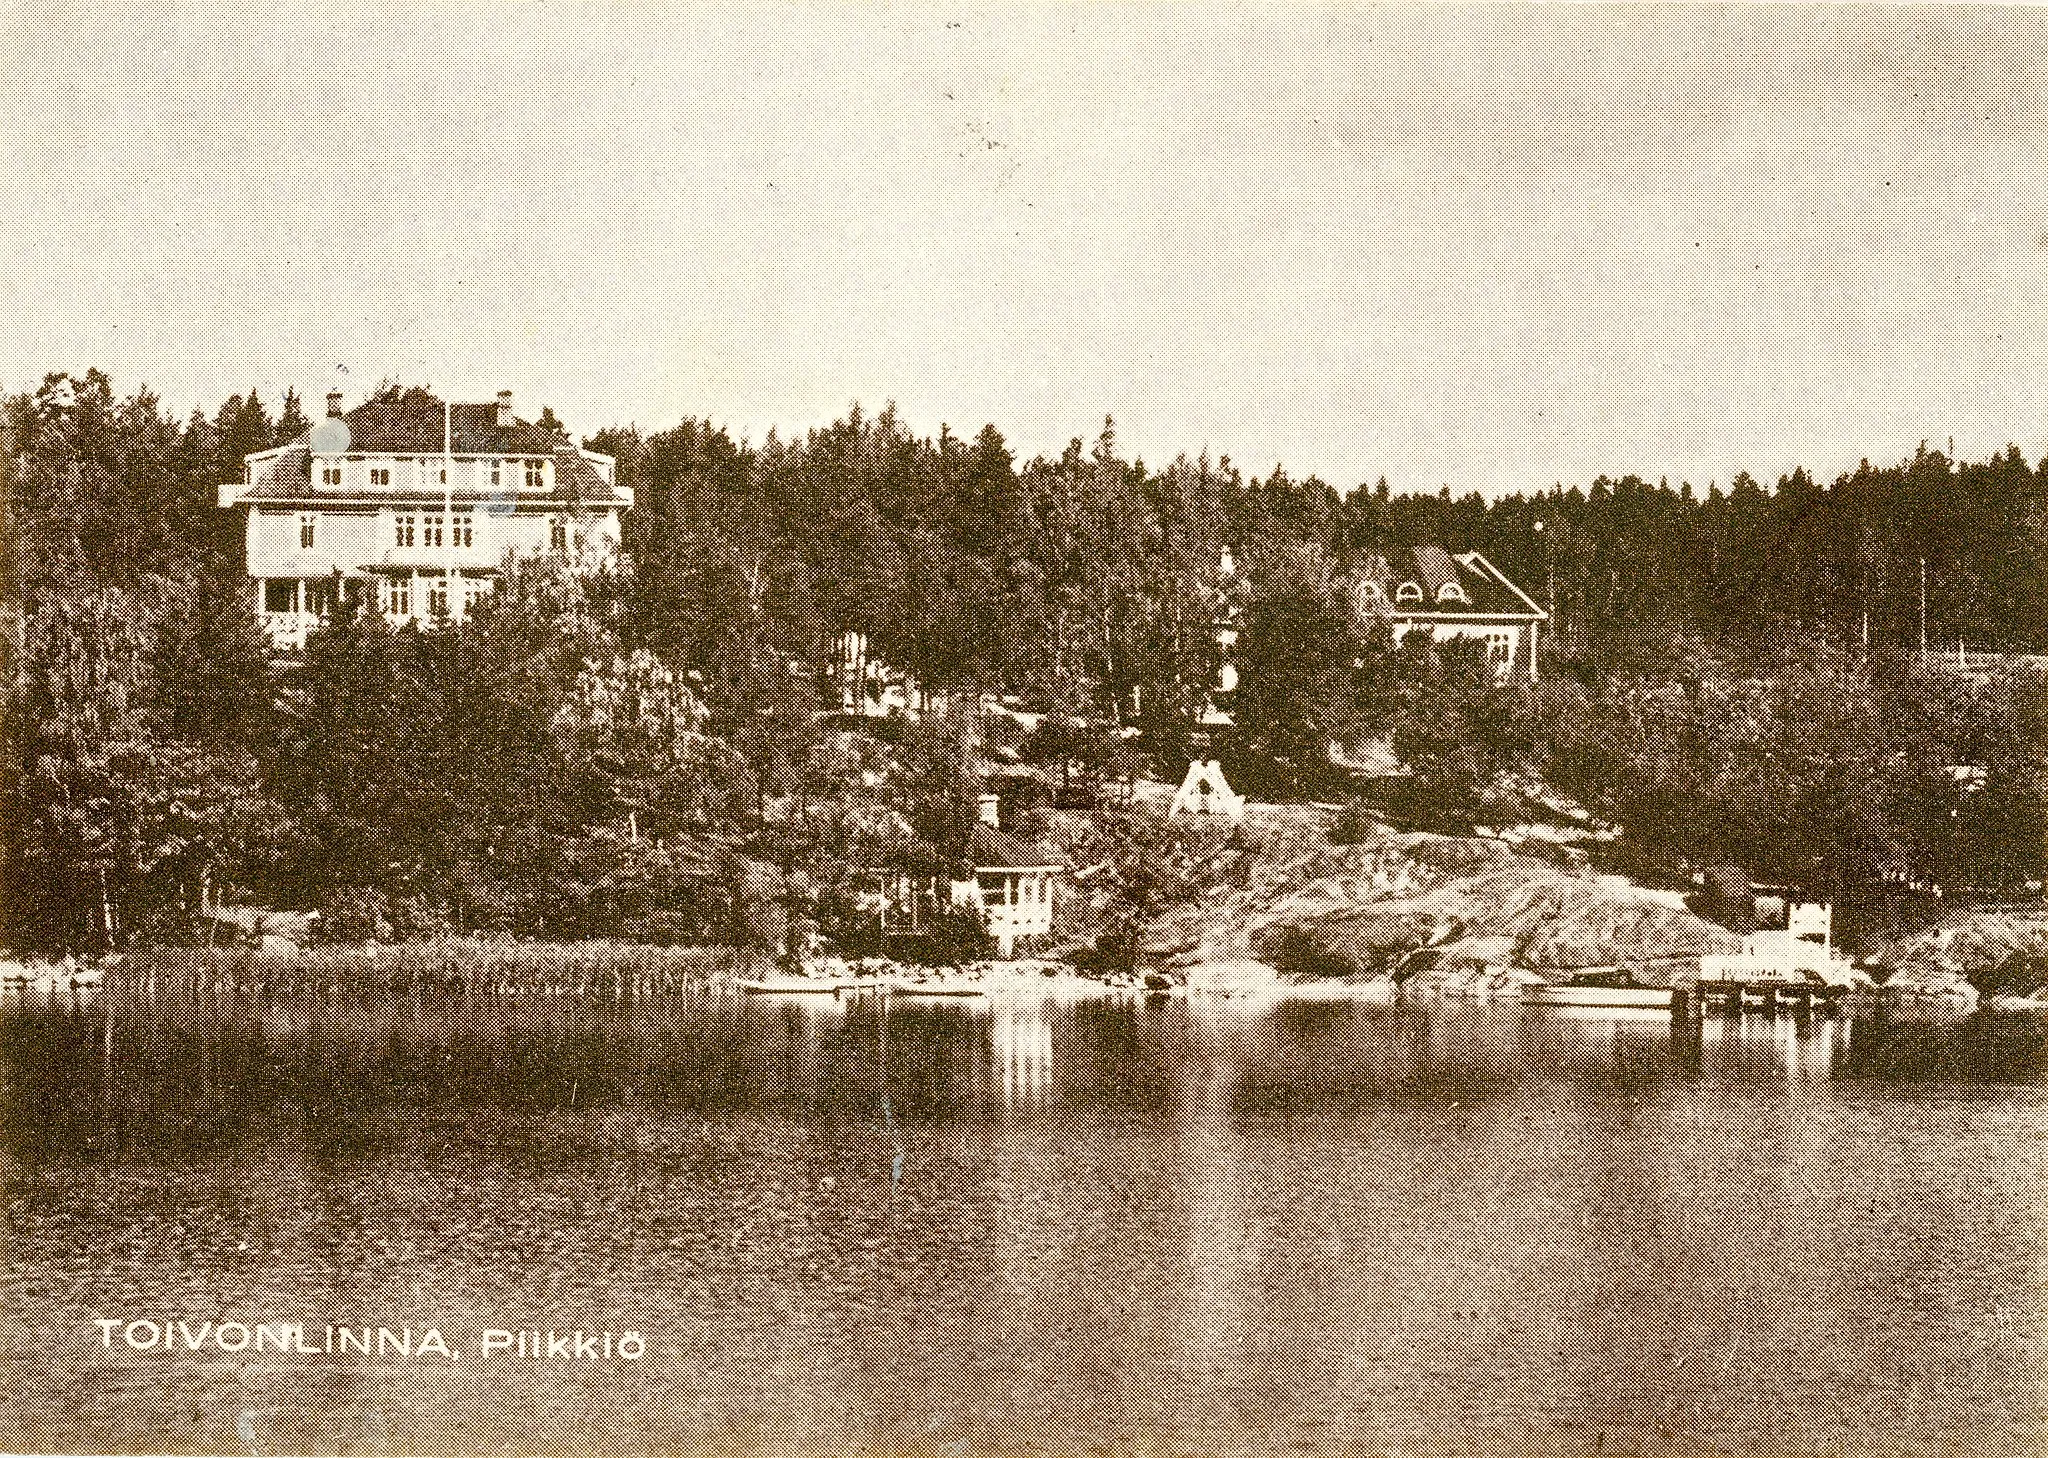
[(912, 987), (787, 985)]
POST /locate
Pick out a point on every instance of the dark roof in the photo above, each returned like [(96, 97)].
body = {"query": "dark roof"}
[(1435, 568), (286, 476), (411, 424), (1488, 593), (993, 849)]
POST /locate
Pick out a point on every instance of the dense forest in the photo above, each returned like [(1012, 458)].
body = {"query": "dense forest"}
[(640, 748)]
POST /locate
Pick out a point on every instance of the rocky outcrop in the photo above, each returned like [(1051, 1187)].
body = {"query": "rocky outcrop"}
[(1432, 913), (2001, 953)]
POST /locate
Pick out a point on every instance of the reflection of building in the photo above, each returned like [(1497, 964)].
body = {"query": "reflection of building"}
[(1022, 1037), (409, 504), (1760, 1048)]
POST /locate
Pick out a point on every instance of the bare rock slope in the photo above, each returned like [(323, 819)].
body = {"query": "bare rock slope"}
[(1432, 912)]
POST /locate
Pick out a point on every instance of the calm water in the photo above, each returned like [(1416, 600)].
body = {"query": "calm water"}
[(1170, 1227)]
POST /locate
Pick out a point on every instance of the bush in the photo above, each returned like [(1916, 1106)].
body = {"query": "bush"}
[(370, 914), (1295, 954), (1355, 824)]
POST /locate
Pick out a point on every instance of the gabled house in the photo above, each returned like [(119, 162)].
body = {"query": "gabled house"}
[(1011, 889), (410, 504), (1466, 596), (1012, 886), (1426, 590)]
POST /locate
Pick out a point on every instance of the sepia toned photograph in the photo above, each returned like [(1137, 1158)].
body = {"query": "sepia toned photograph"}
[(1025, 730)]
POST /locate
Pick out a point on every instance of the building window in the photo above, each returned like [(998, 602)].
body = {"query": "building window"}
[(319, 597), (1451, 592), (380, 475), (558, 534), (1500, 646), (430, 531), (308, 525), (1372, 591), (398, 597), (536, 475), (404, 534), (497, 473), (280, 595), (330, 475), (462, 530), (1408, 592), (437, 597)]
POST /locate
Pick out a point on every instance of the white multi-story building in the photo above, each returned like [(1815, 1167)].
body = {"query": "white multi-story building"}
[(411, 505)]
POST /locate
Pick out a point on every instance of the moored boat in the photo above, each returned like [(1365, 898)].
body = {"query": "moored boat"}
[(1598, 992), (936, 987), (787, 984)]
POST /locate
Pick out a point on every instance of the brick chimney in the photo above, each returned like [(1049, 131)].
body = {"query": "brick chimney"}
[(505, 421), (334, 403)]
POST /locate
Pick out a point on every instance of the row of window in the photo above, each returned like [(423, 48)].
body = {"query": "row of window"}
[(434, 530), (431, 530), (395, 596), (533, 474), (1412, 592)]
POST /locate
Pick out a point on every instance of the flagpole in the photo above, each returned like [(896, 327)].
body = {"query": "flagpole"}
[(448, 498)]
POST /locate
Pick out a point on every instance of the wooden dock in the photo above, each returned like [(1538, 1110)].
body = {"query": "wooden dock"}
[(1762, 994)]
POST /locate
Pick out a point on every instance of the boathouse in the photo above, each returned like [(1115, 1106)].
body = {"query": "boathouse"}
[(1011, 887), (1013, 884)]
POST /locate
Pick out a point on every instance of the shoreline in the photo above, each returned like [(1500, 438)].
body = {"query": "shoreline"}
[(623, 970)]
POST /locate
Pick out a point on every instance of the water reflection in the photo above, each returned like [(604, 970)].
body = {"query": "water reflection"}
[(917, 1226), (1021, 1035), (193, 1067)]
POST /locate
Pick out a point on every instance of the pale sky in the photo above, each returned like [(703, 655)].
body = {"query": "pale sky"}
[(1489, 248)]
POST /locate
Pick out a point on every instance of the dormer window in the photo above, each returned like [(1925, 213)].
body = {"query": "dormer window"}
[(1408, 592), (1451, 592), (1372, 591)]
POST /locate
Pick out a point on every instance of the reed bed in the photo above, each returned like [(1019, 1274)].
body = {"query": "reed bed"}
[(469, 965)]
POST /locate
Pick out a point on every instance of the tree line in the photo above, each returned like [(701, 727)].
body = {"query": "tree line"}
[(639, 749)]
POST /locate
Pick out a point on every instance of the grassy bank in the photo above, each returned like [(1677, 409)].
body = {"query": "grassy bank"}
[(453, 964)]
